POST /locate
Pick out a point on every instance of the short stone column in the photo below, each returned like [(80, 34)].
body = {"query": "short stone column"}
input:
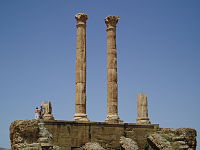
[(80, 99), (46, 111), (142, 109), (112, 85)]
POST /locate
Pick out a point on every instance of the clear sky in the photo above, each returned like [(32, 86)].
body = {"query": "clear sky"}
[(158, 45)]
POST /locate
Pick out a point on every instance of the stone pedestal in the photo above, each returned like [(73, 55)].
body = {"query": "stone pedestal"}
[(112, 85), (48, 117), (80, 100), (142, 109)]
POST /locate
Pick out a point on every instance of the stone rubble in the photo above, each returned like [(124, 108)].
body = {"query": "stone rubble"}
[(156, 141), (170, 139), (24, 131), (45, 137), (128, 144), (30, 135), (92, 146)]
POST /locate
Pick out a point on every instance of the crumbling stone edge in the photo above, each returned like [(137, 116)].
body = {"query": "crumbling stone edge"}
[(30, 135)]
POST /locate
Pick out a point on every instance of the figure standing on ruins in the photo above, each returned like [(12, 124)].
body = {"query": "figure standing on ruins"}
[(37, 111)]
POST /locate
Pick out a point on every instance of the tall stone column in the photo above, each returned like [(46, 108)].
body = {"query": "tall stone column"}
[(80, 100), (112, 85), (142, 109)]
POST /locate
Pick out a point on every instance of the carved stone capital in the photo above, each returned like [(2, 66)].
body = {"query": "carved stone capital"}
[(111, 21), (81, 18)]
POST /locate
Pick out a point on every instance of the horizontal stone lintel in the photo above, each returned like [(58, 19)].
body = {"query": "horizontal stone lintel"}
[(126, 125)]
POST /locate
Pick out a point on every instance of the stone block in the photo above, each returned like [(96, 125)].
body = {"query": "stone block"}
[(80, 76), (112, 61), (112, 75)]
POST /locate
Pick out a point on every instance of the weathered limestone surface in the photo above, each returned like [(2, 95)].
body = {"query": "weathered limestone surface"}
[(46, 113), (92, 146), (128, 144), (112, 85), (173, 139), (139, 135), (24, 131), (69, 135), (45, 137), (80, 100), (158, 142), (73, 135), (30, 135), (142, 109)]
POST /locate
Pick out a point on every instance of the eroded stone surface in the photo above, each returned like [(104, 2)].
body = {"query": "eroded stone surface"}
[(92, 146), (46, 113), (173, 139), (24, 131), (128, 144), (80, 99), (45, 137), (73, 135), (142, 109), (112, 85), (30, 135), (158, 142)]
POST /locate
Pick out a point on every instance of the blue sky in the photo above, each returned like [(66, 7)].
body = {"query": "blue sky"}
[(158, 45)]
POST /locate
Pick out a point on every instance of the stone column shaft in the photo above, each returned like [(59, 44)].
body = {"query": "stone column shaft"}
[(142, 109), (80, 100), (112, 85)]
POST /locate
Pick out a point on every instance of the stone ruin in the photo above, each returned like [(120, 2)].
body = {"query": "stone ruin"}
[(46, 111), (47, 133)]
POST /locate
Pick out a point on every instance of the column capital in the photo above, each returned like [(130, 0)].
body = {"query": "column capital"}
[(111, 21), (81, 18)]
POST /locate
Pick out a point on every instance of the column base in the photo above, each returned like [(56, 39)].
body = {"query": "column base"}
[(48, 117), (143, 121), (113, 119), (81, 117)]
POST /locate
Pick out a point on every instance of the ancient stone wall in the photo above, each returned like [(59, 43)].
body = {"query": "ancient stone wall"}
[(23, 131), (71, 135)]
